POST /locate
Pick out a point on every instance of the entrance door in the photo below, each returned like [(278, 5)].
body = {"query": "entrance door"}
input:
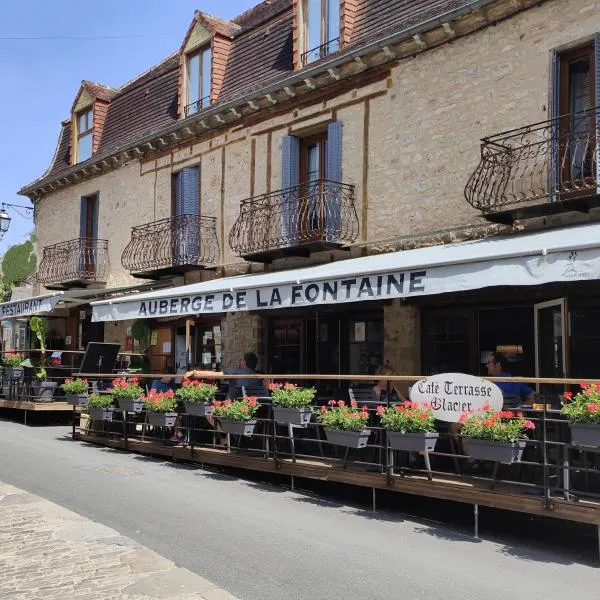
[(550, 344)]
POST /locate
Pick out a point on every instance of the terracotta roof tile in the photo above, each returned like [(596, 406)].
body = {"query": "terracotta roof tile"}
[(102, 92)]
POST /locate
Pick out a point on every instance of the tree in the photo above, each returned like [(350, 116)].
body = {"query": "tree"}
[(19, 263)]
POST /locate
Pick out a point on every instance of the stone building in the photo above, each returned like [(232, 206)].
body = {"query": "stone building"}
[(320, 140)]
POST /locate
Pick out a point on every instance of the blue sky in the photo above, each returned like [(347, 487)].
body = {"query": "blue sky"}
[(40, 77)]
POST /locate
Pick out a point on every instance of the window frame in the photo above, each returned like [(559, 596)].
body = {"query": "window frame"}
[(200, 92), (324, 29), (88, 114)]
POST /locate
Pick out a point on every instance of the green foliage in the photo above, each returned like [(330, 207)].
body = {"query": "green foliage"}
[(40, 327), (160, 402), (238, 410), (196, 392), (140, 332), (18, 264), (409, 417), (100, 401), (291, 396), (341, 416), (584, 407)]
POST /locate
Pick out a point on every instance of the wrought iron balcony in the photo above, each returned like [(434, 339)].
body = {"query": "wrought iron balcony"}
[(320, 51), (173, 245), (194, 107), (305, 218), (78, 262), (540, 169)]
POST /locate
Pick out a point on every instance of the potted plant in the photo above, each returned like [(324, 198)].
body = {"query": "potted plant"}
[(197, 397), (160, 408), (100, 407), (345, 425), (12, 365), (291, 404), (43, 390), (495, 436), (583, 413), (409, 426), (235, 416), (75, 390), (127, 393)]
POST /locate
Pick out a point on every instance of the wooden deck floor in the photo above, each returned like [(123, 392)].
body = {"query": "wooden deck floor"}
[(470, 491), (36, 406)]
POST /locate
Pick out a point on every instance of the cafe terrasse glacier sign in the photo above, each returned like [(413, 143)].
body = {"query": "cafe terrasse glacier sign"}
[(452, 394)]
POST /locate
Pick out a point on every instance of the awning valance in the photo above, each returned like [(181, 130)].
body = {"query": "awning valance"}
[(568, 254), (27, 307)]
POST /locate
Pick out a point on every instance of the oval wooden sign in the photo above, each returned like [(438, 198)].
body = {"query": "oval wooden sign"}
[(451, 394)]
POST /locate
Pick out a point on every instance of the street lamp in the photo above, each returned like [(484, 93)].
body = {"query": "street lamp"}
[(5, 219)]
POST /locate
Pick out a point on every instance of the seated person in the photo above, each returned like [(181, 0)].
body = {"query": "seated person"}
[(163, 384), (247, 367), (381, 387), (497, 366)]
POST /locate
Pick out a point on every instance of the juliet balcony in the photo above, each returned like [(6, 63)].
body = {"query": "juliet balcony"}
[(80, 262), (537, 170), (310, 217), (171, 246)]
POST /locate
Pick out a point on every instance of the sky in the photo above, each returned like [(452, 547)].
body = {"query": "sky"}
[(48, 47)]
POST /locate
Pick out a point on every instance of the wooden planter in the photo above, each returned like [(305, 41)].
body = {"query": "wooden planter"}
[(585, 434), (160, 419), (245, 428), (412, 442), (198, 409), (97, 413), (496, 451), (131, 405), (351, 439), (292, 416)]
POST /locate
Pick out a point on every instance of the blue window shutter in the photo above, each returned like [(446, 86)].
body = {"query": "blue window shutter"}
[(179, 193), (95, 213), (333, 163), (290, 177), (190, 190), (83, 218), (554, 114)]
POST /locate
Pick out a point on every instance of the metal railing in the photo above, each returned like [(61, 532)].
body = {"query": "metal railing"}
[(80, 260), (320, 51), (552, 160), (194, 107), (182, 240), (318, 211)]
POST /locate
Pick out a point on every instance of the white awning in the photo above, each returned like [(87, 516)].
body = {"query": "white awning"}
[(561, 255), (27, 307)]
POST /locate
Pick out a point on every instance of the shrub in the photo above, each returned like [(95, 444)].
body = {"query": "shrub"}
[(501, 426), (75, 387), (409, 417), (196, 392), (12, 359), (236, 410), (160, 402), (291, 396), (100, 401), (584, 407), (341, 416)]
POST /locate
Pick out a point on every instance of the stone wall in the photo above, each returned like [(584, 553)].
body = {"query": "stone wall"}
[(243, 332)]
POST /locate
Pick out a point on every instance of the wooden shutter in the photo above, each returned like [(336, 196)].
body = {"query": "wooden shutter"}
[(187, 191), (554, 114), (83, 217), (290, 178), (95, 206), (186, 232), (333, 173), (333, 160)]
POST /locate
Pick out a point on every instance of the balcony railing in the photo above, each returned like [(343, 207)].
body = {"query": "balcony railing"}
[(309, 217), (81, 261), (320, 51), (171, 245), (194, 107), (554, 161)]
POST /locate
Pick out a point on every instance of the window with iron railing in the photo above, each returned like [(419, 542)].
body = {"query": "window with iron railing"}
[(321, 29), (199, 80), (84, 125)]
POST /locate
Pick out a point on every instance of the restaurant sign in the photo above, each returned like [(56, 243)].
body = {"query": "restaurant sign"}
[(452, 394), (28, 306)]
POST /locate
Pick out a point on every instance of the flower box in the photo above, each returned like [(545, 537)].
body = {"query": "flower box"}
[(161, 419), (412, 442), (14, 372), (343, 437), (585, 434), (43, 391), (100, 414), (131, 404), (77, 399), (292, 416), (504, 452), (198, 409), (245, 428)]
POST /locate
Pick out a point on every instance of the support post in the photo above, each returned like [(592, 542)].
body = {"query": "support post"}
[(374, 499), (476, 520)]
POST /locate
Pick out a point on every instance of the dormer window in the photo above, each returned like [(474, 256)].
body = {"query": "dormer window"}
[(199, 80), (85, 124), (321, 27)]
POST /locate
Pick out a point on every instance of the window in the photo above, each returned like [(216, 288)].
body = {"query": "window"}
[(85, 123), (185, 233), (88, 223), (321, 24), (199, 68)]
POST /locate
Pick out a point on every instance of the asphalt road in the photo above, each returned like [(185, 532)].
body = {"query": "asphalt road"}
[(263, 542)]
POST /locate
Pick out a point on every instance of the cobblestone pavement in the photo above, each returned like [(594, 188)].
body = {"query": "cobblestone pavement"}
[(49, 552)]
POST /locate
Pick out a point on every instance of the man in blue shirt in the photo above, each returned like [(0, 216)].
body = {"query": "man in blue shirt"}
[(497, 366)]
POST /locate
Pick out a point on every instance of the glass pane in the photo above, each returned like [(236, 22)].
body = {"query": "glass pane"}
[(90, 119), (84, 148), (206, 76), (193, 81), (313, 162), (333, 25), (313, 25), (581, 94), (81, 124)]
